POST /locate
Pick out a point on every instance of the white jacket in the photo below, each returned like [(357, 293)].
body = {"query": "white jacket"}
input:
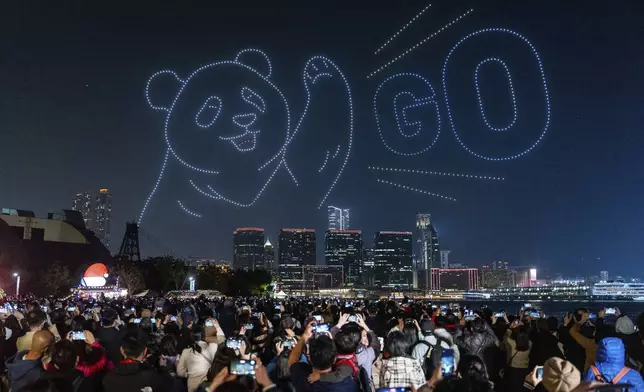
[(194, 366)]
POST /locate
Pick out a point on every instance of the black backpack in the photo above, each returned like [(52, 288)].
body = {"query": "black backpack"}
[(427, 365)]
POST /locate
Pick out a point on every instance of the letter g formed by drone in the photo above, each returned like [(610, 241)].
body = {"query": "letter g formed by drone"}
[(230, 128)]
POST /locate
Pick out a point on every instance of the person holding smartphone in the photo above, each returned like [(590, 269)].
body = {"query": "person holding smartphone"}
[(555, 375)]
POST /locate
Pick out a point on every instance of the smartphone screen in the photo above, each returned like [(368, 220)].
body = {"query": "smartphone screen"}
[(318, 318), (540, 373), (611, 311), (353, 318), (248, 326), (447, 362), (78, 335), (136, 321), (527, 305), (242, 367), (382, 343), (500, 314), (209, 323), (233, 343), (324, 327), (394, 389), (288, 343)]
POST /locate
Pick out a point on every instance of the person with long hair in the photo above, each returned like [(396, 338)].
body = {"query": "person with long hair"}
[(195, 360)]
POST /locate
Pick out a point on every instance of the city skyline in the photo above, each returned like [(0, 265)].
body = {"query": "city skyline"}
[(512, 172)]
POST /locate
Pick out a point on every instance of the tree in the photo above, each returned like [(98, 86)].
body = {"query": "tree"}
[(129, 277), (168, 271), (56, 277)]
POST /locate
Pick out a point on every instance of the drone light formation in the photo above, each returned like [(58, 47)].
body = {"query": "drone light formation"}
[(326, 159), (326, 62), (416, 190), (429, 37), (513, 97), (187, 210), (435, 173), (543, 81), (418, 102), (418, 15)]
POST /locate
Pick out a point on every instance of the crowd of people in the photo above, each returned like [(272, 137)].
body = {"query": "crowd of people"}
[(311, 345)]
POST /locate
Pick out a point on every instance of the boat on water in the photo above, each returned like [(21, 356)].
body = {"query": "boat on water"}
[(619, 289)]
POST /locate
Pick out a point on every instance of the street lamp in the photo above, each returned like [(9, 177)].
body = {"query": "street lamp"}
[(17, 276)]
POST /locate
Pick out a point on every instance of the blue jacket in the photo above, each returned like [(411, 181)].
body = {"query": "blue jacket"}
[(23, 372), (611, 357)]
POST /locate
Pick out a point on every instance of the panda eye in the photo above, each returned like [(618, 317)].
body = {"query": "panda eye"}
[(210, 110), (254, 99)]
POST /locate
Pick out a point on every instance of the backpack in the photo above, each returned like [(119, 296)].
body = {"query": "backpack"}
[(427, 364), (618, 377), (364, 381)]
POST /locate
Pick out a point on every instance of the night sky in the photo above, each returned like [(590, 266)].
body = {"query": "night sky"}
[(74, 117)]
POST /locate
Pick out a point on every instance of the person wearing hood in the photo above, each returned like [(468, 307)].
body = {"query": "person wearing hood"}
[(26, 367), (433, 336), (610, 366)]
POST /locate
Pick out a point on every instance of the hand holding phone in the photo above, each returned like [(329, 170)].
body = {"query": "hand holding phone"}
[(539, 373), (320, 328), (447, 362), (78, 335), (242, 367)]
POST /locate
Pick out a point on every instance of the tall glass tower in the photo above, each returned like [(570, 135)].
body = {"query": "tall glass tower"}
[(339, 219), (429, 252)]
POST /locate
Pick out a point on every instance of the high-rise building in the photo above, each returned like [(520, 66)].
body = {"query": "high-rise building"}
[(367, 267), (269, 256), (494, 278), (344, 247), (445, 258), (103, 216), (96, 210), (339, 218), (296, 249), (429, 255), (84, 203), (500, 264), (603, 276), (392, 253), (248, 248), (455, 279)]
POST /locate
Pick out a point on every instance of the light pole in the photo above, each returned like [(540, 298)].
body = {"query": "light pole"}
[(192, 283), (17, 276)]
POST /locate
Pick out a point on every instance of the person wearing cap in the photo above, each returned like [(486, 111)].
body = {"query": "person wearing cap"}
[(632, 341), (433, 336), (559, 375)]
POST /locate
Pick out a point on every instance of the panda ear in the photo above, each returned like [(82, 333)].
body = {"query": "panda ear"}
[(254, 57), (161, 89)]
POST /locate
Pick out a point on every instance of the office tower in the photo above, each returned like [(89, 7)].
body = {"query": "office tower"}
[(269, 256), (96, 210), (429, 252), (392, 253), (494, 278), (445, 258), (455, 279), (344, 247), (248, 248), (103, 216), (367, 267), (500, 264), (603, 276), (338, 218), (83, 203), (296, 249)]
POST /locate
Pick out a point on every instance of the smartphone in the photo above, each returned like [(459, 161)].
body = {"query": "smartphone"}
[(324, 327), (534, 314), (71, 308), (78, 335), (447, 362), (469, 318), (500, 314), (608, 311), (242, 367), (540, 373), (248, 326), (527, 305), (136, 321), (353, 318), (288, 343), (318, 318), (44, 308), (209, 323), (173, 318), (278, 307), (593, 316), (153, 320), (406, 389), (257, 315), (382, 343), (233, 343)]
